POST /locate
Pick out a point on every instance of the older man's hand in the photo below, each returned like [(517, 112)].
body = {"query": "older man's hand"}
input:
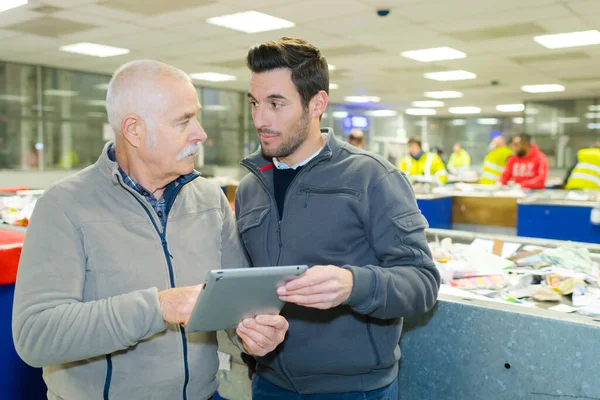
[(262, 334), (176, 304)]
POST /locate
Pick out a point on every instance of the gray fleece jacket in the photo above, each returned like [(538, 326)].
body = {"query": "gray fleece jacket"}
[(350, 208), (86, 306)]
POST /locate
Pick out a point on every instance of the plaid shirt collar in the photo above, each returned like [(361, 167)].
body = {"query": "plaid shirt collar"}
[(159, 205)]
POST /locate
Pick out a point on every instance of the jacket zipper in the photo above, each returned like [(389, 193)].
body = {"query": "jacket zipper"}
[(307, 167), (168, 257)]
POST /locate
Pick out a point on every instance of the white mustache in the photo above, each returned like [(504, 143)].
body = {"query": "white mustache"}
[(189, 150)]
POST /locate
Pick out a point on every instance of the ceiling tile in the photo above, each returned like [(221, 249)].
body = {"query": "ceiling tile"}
[(201, 30), (199, 13), (153, 7), (83, 18), (17, 16), (146, 39), (67, 3), (50, 27), (315, 10), (105, 12), (97, 34)]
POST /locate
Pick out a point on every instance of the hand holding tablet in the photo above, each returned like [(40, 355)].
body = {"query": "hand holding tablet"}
[(231, 296)]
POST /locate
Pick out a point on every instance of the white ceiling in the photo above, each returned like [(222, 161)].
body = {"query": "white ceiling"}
[(496, 35)]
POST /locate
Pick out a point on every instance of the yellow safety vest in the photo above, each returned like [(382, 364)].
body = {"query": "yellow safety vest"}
[(429, 165), (586, 174), (493, 165), (460, 160)]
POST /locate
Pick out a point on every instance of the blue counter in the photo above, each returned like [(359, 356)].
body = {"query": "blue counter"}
[(557, 219), (437, 210), (18, 381)]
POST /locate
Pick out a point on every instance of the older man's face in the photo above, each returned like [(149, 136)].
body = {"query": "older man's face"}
[(174, 134)]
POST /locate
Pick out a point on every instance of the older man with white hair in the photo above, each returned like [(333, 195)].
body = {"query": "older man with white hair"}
[(114, 255)]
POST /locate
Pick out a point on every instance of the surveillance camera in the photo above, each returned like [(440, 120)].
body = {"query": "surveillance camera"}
[(383, 12)]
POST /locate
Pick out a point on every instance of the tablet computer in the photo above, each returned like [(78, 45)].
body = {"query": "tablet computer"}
[(230, 295)]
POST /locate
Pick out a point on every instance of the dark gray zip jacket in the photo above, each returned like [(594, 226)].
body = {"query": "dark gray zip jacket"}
[(350, 208)]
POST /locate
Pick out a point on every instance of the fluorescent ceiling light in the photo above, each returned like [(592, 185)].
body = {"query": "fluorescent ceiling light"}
[(487, 121), (459, 122), (331, 67), (362, 99), (333, 86), (593, 126), (464, 110), (444, 94), (531, 111), (213, 77), (60, 93), (216, 107), (548, 88), (420, 111), (518, 120), (594, 108), (250, 22), (571, 39), (9, 4), (382, 113), (434, 54), (566, 120), (592, 115), (99, 103), (510, 107), (13, 97), (428, 103), (101, 86), (450, 75), (340, 114), (94, 50)]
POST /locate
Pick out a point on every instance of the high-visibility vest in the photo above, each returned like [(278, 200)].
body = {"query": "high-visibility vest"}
[(429, 165), (493, 165), (460, 160), (586, 174)]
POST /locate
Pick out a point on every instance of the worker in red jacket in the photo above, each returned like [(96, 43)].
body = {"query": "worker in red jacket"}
[(528, 167)]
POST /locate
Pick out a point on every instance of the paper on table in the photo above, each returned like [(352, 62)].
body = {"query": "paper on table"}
[(563, 308), (488, 245), (486, 263)]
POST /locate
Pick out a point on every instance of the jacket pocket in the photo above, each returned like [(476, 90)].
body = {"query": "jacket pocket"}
[(253, 227), (308, 191), (410, 226)]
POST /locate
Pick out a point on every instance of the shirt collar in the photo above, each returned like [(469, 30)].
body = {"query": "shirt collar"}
[(280, 165), (132, 183)]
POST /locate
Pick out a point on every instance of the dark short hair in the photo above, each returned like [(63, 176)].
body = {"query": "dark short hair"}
[(415, 140), (310, 72), (524, 137)]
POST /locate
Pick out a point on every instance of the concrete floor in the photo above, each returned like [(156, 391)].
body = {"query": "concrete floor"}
[(234, 384)]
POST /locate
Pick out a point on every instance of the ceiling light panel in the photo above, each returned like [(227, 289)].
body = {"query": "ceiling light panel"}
[(510, 107), (547, 88), (434, 54), (464, 110), (94, 50), (10, 4), (420, 111), (450, 75), (444, 94), (213, 77), (250, 22), (571, 39)]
